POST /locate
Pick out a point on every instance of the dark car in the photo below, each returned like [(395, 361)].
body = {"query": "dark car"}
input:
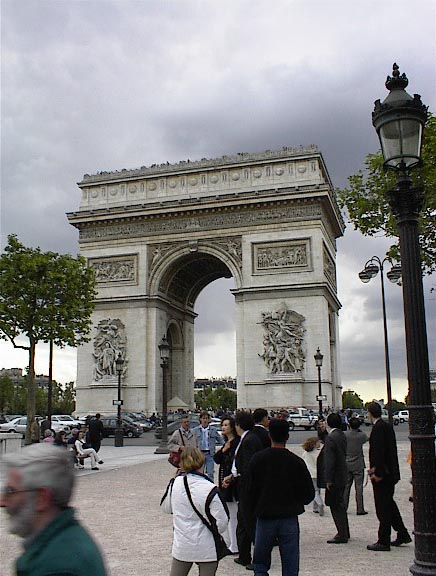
[(110, 424), (175, 425)]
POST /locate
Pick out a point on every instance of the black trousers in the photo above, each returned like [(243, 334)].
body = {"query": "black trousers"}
[(244, 532), (334, 498), (387, 512)]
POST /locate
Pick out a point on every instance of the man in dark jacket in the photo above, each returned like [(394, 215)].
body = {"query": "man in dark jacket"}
[(36, 495), (95, 433), (335, 467), (247, 447), (384, 473), (279, 487), (261, 424)]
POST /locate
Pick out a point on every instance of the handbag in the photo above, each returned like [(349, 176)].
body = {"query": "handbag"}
[(174, 457), (220, 543)]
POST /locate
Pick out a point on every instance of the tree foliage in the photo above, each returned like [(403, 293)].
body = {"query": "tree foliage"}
[(43, 296), (351, 400), (367, 207), (215, 399)]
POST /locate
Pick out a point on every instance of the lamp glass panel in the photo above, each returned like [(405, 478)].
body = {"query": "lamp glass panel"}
[(401, 142)]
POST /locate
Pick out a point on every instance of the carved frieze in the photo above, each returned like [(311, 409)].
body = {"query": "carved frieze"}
[(281, 256), (109, 343), (283, 341), (329, 266), (115, 269), (203, 221)]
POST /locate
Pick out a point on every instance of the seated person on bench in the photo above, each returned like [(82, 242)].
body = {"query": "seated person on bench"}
[(82, 452)]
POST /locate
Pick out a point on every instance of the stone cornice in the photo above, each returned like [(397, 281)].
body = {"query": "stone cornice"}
[(204, 163)]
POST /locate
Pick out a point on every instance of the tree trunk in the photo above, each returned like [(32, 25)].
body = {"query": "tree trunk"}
[(30, 392)]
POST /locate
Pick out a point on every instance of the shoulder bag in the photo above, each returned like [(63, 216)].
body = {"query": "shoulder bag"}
[(220, 543), (174, 457)]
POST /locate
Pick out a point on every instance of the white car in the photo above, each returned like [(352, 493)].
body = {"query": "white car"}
[(66, 420), (401, 416), (19, 425)]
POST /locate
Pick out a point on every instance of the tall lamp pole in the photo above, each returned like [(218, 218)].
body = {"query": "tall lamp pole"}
[(371, 269), (119, 433), (164, 351), (399, 121), (318, 361)]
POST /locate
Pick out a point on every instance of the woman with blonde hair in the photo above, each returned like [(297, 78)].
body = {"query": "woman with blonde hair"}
[(196, 506)]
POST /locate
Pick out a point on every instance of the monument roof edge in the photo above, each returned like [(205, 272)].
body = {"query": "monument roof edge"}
[(204, 163)]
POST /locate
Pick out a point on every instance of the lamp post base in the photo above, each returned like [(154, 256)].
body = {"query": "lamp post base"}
[(119, 438), (162, 448)]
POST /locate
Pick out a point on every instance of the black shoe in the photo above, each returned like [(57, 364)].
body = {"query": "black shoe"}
[(337, 541), (241, 562), (95, 468), (377, 547), (364, 513), (404, 539), (100, 462), (249, 567)]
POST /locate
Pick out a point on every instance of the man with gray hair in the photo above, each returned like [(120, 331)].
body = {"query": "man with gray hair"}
[(36, 494)]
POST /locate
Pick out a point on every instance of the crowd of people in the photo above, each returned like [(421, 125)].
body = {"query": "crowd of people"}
[(263, 487)]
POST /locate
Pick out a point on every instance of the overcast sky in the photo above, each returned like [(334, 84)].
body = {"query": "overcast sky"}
[(103, 85)]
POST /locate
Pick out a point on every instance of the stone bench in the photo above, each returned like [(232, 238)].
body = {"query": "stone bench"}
[(10, 442)]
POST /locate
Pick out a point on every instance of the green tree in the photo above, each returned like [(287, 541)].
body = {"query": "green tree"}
[(351, 400), (215, 399), (367, 207), (43, 297), (396, 405), (6, 394)]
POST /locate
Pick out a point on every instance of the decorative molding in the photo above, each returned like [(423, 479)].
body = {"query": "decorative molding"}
[(231, 245), (109, 342), (283, 341), (115, 269), (329, 266), (282, 256), (203, 221), (240, 158)]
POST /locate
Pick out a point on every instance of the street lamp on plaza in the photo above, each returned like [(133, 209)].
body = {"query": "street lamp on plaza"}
[(119, 434), (164, 351), (371, 269), (399, 121), (318, 361)]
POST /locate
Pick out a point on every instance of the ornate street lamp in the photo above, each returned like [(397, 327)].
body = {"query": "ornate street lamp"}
[(119, 434), (318, 361), (164, 351), (370, 271), (399, 121)]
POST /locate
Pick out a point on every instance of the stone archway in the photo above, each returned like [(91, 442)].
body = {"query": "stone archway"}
[(157, 236)]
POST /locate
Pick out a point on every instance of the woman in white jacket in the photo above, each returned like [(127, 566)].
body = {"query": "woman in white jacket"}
[(193, 541)]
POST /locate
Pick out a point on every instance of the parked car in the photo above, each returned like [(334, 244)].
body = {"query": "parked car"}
[(129, 428), (359, 413), (303, 418), (139, 420), (19, 425), (175, 425), (401, 416), (66, 420)]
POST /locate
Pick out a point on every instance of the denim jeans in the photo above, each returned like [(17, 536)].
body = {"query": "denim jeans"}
[(287, 532), (209, 465)]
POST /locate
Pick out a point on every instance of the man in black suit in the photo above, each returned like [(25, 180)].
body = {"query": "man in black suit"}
[(247, 447), (335, 468), (95, 432), (384, 473), (261, 424)]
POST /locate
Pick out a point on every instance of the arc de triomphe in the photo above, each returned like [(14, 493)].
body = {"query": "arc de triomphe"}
[(156, 236)]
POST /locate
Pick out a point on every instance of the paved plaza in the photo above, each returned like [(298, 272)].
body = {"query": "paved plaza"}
[(120, 506)]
